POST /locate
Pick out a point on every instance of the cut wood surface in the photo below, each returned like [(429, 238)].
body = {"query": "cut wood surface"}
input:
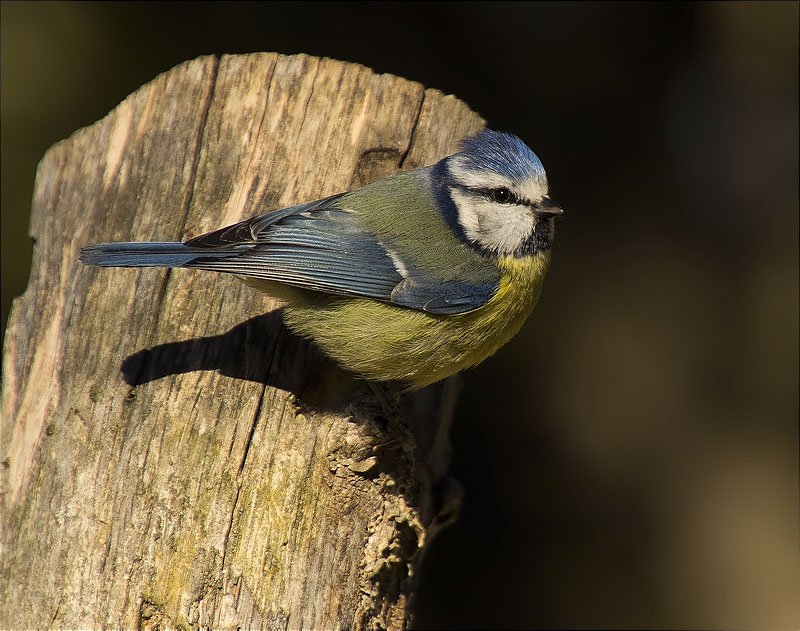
[(172, 456)]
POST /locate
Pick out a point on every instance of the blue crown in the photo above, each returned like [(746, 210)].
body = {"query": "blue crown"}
[(502, 153)]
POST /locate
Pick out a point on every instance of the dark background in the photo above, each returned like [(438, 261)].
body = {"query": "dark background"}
[(630, 459)]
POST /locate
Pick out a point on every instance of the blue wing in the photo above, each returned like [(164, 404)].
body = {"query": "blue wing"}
[(317, 246)]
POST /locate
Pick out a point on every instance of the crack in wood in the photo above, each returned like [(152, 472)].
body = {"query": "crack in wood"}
[(402, 162)]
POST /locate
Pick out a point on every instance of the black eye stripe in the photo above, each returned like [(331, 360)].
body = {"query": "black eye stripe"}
[(499, 195)]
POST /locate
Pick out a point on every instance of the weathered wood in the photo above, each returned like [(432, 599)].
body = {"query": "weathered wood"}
[(171, 456)]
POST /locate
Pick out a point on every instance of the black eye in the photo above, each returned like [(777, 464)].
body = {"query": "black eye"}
[(501, 195)]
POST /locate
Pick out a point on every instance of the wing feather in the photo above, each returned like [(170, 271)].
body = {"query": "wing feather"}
[(322, 246)]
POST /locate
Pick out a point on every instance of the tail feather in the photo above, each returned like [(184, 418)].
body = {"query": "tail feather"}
[(152, 254)]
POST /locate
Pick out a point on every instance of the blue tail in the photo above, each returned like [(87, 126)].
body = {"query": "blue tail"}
[(155, 254)]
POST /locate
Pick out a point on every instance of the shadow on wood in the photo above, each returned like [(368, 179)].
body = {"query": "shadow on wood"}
[(243, 352)]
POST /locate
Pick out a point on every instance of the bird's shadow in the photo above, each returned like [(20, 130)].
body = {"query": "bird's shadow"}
[(260, 350)]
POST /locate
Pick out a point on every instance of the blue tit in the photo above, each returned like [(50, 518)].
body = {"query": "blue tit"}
[(409, 279)]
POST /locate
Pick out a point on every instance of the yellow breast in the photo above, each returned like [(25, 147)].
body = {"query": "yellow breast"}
[(383, 342)]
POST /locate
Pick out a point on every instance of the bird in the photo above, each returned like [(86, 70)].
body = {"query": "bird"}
[(409, 279)]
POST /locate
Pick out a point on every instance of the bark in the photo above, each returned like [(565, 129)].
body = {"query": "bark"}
[(172, 456)]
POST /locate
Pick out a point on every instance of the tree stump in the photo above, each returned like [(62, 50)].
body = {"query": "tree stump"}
[(172, 456)]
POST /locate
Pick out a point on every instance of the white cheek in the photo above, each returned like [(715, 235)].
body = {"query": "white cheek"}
[(506, 229), (498, 227), (467, 214)]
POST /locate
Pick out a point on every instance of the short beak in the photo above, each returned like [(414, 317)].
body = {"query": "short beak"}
[(548, 211)]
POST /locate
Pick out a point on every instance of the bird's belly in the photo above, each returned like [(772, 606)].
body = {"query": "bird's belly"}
[(383, 342)]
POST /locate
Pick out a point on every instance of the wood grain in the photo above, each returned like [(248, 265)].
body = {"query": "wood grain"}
[(172, 456)]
